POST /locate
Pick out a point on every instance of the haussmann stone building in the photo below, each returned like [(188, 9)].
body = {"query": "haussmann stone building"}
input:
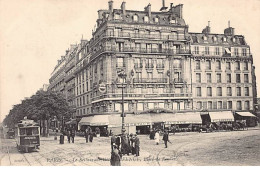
[(172, 76)]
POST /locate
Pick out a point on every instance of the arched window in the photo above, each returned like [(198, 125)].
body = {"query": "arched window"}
[(135, 18)]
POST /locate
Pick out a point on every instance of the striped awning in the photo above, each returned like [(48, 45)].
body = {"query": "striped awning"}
[(221, 116), (184, 118), (246, 114), (96, 120)]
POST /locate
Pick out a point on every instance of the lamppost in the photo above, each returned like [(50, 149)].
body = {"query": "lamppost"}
[(122, 75)]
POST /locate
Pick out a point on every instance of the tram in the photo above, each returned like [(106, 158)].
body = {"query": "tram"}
[(27, 135)]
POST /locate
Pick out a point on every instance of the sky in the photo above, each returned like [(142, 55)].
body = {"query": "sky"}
[(35, 34)]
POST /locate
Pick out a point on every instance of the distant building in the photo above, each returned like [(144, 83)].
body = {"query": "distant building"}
[(168, 70)]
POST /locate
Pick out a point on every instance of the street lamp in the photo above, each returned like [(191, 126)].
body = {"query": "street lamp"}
[(122, 75)]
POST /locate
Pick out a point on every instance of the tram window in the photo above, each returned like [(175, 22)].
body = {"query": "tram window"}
[(35, 131), (29, 131), (22, 131)]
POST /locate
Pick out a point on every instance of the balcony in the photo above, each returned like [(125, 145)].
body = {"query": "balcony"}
[(69, 77), (150, 80), (149, 66), (138, 65), (146, 36), (219, 54), (178, 80), (160, 66)]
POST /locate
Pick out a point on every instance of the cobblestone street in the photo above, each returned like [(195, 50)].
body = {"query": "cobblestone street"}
[(217, 148)]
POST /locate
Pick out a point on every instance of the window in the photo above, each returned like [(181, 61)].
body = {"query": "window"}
[(146, 19), (237, 65), (135, 18), (117, 16), (239, 105), (150, 105), (218, 78), (208, 77), (238, 79), (243, 51), (173, 21), (198, 91), (228, 66), (224, 39), (247, 105), (245, 65), (209, 91), (214, 39), (219, 91), (198, 77), (236, 52), (208, 65), (229, 91), (196, 50), (217, 51), (156, 20), (218, 65), (228, 78), (229, 105), (120, 62), (199, 105), (209, 105), (238, 91), (197, 64), (246, 91), (205, 38), (246, 78), (206, 50), (219, 104)]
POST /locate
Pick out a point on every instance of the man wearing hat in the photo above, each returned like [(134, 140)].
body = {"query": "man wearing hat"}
[(137, 145)]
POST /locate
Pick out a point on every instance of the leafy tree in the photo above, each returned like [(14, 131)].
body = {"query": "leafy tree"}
[(42, 106)]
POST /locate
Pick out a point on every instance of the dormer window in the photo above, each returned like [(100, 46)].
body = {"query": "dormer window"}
[(234, 40), (146, 19), (215, 39), (205, 38), (135, 18), (117, 16), (156, 20), (173, 21), (224, 39)]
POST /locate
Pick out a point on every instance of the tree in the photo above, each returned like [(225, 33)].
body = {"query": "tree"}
[(42, 106)]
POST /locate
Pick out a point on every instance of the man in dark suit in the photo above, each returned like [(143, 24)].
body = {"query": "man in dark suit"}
[(165, 138), (137, 145), (73, 133)]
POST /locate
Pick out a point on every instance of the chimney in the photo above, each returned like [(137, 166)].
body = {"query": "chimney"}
[(207, 29), (163, 8), (229, 31), (123, 8), (110, 5), (148, 10)]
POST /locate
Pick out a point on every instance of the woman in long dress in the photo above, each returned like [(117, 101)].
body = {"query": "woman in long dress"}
[(157, 137)]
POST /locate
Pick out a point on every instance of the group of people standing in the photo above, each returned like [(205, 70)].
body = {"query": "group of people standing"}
[(155, 135), (70, 133), (89, 134), (123, 144)]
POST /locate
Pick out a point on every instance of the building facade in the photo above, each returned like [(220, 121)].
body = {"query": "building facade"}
[(168, 69)]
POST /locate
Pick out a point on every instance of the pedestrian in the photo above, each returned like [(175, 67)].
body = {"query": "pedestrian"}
[(115, 157), (166, 138), (132, 142), (118, 142), (87, 134), (137, 145), (68, 134), (73, 133), (125, 148), (91, 136), (113, 141), (157, 137)]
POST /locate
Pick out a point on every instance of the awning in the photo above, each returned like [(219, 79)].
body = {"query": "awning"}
[(184, 118), (138, 120), (71, 122), (221, 116), (247, 114), (227, 50), (96, 120)]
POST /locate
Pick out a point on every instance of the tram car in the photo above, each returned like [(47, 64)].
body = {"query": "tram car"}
[(27, 135)]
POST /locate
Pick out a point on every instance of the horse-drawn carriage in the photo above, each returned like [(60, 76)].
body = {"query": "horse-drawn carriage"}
[(27, 134)]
